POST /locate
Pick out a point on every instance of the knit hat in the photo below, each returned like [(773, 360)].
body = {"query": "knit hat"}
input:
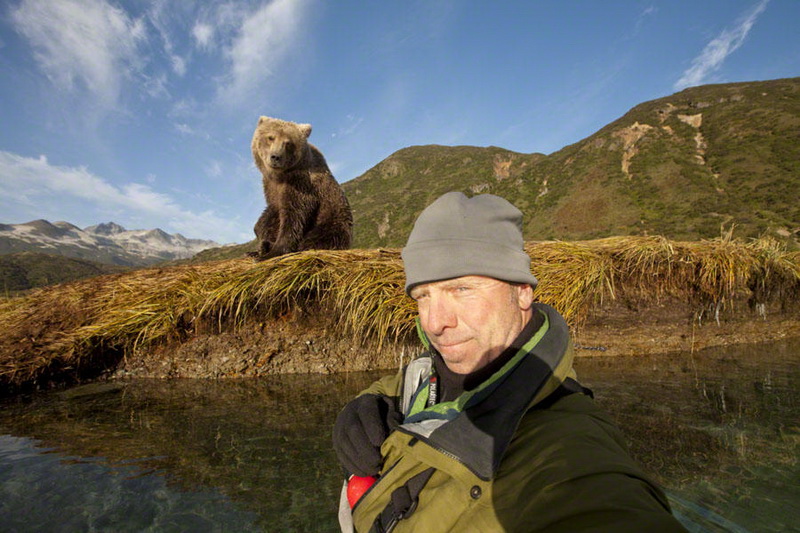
[(458, 236)]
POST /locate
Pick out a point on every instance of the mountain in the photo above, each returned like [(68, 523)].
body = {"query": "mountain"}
[(107, 228), (107, 243), (684, 166)]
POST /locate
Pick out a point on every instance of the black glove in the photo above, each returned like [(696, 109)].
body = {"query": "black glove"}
[(359, 431)]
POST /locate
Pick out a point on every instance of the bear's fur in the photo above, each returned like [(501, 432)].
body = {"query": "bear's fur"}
[(306, 207)]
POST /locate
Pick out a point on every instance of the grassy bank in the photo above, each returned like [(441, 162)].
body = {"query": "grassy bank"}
[(78, 330)]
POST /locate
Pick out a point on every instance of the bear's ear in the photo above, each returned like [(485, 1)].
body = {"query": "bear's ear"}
[(305, 129), (262, 119)]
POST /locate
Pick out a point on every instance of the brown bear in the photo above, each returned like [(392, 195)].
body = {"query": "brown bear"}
[(306, 207)]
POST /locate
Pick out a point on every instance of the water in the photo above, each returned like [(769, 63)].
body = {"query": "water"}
[(719, 429)]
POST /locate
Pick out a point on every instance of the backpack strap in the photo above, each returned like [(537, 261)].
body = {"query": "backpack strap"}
[(402, 504)]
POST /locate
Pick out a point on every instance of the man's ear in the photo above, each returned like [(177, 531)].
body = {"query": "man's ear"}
[(524, 296)]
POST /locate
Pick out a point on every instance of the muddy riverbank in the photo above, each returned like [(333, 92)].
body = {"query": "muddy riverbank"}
[(307, 345)]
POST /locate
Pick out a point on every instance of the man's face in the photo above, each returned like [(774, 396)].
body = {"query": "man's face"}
[(472, 319)]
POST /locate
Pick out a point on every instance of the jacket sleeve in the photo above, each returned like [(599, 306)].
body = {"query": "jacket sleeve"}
[(568, 469)]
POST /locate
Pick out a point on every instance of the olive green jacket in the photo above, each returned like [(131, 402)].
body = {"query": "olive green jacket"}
[(516, 454)]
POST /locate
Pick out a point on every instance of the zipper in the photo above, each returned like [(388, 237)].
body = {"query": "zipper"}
[(446, 453), (364, 496)]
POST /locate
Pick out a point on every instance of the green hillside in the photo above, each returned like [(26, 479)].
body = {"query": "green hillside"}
[(26, 270), (683, 166)]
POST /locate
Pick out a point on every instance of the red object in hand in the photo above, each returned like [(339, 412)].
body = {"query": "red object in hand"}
[(357, 486)]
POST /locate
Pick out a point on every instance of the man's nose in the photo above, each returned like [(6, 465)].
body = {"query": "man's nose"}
[(440, 315)]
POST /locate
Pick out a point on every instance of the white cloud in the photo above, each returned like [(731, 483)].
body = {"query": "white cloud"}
[(264, 40), (163, 15), (178, 64), (33, 181), (86, 43), (351, 125), (185, 129), (203, 35), (183, 108), (214, 169), (716, 51), (156, 86), (643, 16)]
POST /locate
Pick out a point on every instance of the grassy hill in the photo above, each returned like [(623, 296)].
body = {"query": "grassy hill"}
[(26, 270), (682, 166)]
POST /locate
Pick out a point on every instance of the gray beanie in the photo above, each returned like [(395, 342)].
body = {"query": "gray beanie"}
[(458, 236)]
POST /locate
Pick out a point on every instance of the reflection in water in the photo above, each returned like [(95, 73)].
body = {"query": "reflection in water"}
[(718, 428), (46, 491), (259, 448)]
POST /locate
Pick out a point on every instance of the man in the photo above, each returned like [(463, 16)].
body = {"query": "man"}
[(488, 430)]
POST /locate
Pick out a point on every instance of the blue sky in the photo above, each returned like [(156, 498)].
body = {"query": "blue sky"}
[(142, 111)]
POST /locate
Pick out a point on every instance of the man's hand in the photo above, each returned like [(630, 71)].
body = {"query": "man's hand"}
[(359, 431)]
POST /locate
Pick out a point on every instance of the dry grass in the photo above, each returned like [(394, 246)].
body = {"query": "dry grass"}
[(58, 329)]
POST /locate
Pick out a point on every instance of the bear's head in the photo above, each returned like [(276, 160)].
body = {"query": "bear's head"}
[(278, 144)]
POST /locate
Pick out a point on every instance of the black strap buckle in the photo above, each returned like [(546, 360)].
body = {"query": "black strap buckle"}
[(403, 503)]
